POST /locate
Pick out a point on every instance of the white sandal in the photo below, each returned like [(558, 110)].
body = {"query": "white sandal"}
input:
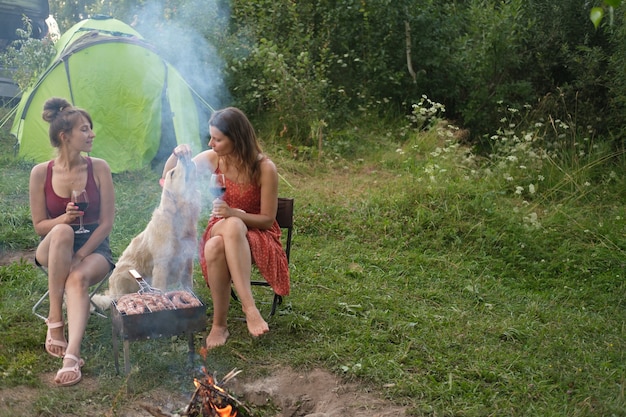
[(74, 369), (53, 342)]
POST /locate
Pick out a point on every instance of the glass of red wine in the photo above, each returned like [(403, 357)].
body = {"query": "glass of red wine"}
[(79, 198), (217, 185)]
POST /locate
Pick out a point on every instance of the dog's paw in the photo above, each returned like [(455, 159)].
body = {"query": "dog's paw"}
[(102, 301)]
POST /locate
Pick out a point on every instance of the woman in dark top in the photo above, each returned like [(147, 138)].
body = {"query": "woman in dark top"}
[(74, 261)]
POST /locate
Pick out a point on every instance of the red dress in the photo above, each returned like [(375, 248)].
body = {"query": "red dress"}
[(265, 245)]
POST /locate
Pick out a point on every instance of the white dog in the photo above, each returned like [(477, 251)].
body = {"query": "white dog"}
[(163, 253)]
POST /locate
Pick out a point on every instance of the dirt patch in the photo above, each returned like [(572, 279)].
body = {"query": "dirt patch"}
[(8, 257), (296, 394), (317, 393)]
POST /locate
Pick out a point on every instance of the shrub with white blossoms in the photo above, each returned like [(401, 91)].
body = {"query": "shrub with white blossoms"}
[(425, 114)]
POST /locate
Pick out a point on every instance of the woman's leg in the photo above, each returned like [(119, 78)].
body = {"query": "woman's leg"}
[(219, 284), (55, 252), (90, 271), (239, 260)]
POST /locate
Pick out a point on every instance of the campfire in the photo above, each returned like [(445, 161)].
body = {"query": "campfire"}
[(210, 399)]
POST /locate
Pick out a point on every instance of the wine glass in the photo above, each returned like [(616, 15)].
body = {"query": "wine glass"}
[(80, 199), (217, 185)]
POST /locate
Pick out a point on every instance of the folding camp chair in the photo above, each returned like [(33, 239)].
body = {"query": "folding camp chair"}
[(97, 310), (284, 217)]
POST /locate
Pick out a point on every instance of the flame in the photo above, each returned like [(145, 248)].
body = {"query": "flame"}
[(226, 411), (211, 399)]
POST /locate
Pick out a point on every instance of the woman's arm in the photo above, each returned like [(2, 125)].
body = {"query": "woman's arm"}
[(205, 161), (205, 165), (104, 180), (169, 164)]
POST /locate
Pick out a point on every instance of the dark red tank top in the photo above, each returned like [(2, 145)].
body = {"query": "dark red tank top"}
[(56, 205)]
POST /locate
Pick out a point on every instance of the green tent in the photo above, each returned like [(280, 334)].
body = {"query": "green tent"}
[(140, 105)]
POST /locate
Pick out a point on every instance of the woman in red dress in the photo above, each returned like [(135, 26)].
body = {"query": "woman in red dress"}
[(242, 229)]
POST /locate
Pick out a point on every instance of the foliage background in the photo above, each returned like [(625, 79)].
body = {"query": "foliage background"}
[(303, 66)]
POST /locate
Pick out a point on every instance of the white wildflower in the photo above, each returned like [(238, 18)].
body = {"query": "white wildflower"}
[(531, 221)]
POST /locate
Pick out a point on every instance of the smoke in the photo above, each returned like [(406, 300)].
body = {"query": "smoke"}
[(176, 34)]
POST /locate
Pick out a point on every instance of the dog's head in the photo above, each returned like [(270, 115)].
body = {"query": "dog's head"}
[(181, 181)]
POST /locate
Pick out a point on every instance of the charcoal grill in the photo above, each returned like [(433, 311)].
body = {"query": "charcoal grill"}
[(153, 325)]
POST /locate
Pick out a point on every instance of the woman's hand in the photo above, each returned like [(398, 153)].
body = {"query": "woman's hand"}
[(220, 208), (179, 151), (72, 213), (182, 150), (76, 259)]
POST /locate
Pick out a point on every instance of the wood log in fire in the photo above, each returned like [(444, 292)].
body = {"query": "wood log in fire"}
[(210, 399)]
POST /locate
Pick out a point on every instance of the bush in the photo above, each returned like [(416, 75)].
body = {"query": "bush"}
[(27, 57)]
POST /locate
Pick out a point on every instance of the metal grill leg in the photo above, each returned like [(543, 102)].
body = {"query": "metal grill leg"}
[(115, 351), (192, 350), (126, 357)]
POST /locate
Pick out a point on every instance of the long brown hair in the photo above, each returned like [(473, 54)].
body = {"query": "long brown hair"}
[(62, 117), (233, 123)]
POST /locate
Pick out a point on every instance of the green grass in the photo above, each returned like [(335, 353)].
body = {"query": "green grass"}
[(416, 271)]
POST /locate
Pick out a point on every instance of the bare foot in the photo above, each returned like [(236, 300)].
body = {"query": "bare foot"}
[(256, 325), (217, 337)]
